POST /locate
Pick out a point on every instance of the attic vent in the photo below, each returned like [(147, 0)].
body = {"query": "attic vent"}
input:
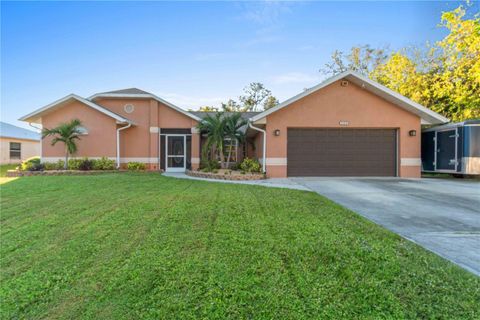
[(129, 108), (344, 83)]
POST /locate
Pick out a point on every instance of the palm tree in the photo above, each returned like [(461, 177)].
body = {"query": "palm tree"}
[(234, 132), (66, 133), (214, 127)]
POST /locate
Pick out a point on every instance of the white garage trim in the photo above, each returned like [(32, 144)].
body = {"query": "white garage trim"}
[(410, 162), (276, 161)]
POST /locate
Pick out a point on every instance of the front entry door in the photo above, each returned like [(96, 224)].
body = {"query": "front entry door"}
[(446, 150), (175, 153)]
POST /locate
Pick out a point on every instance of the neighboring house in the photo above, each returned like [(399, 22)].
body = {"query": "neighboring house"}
[(17, 144), (348, 125)]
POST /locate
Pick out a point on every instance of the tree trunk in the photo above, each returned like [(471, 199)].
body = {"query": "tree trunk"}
[(229, 156), (65, 165)]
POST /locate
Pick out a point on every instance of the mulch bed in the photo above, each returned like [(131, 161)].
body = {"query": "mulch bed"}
[(221, 175), (16, 173)]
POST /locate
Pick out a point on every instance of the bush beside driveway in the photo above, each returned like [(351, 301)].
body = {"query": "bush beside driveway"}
[(139, 245)]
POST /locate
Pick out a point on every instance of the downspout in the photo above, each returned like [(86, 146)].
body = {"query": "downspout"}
[(264, 155), (41, 139), (118, 143)]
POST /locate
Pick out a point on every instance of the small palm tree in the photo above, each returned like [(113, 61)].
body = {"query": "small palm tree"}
[(233, 131), (214, 127), (66, 133)]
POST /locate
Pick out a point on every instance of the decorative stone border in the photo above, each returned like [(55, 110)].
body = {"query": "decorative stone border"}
[(15, 173), (235, 177)]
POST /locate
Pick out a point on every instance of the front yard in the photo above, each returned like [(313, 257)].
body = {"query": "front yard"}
[(145, 246)]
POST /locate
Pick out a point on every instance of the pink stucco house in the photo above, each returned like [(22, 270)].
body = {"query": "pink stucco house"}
[(348, 125)]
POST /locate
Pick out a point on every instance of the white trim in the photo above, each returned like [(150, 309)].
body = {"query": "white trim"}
[(37, 113), (195, 160), (410, 162), (144, 96), (154, 129), (427, 115), (276, 161), (195, 130)]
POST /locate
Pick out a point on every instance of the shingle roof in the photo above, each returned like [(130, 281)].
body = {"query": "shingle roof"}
[(126, 91), (8, 130), (203, 114)]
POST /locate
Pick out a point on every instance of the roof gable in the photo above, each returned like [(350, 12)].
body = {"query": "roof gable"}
[(140, 94), (35, 117), (428, 116)]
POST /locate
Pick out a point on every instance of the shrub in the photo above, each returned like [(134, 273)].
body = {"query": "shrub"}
[(136, 166), (209, 165), (74, 164), (85, 164), (104, 164), (32, 164), (250, 165), (54, 165)]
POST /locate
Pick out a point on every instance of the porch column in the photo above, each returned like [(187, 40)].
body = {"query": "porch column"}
[(195, 148), (153, 152)]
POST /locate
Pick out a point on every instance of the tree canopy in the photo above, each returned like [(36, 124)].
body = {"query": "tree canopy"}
[(444, 76)]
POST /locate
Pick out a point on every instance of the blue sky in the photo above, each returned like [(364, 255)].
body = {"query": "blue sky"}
[(190, 53)]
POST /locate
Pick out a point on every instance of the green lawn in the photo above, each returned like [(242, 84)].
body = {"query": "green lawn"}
[(130, 246), (5, 167)]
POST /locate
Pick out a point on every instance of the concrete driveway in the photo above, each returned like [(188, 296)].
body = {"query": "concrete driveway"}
[(439, 214)]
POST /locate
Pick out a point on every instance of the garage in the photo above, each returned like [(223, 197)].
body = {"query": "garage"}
[(341, 152)]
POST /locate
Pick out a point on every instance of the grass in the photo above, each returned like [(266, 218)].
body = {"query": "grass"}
[(5, 167), (130, 246)]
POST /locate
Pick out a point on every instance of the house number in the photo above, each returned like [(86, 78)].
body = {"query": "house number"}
[(344, 123)]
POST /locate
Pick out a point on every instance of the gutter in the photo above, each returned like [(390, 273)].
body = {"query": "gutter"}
[(118, 142), (264, 154)]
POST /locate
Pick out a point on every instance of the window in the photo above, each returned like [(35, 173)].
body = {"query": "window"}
[(229, 144), (15, 150), (82, 130)]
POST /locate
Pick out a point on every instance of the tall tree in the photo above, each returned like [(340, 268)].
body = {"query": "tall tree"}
[(234, 131), (208, 109), (214, 128), (231, 106), (255, 95), (67, 133), (444, 77), (362, 59), (270, 102)]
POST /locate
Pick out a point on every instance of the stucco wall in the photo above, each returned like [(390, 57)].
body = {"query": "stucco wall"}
[(140, 142), (332, 104), (100, 140), (29, 148)]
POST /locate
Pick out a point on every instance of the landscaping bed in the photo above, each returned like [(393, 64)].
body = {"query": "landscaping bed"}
[(18, 173), (224, 174)]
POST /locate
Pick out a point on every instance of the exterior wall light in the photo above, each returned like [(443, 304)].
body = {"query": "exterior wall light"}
[(276, 132), (412, 133)]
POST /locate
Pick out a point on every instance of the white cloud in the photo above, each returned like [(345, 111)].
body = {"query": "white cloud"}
[(265, 12), (296, 77)]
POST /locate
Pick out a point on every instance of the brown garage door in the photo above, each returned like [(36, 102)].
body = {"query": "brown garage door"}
[(341, 152)]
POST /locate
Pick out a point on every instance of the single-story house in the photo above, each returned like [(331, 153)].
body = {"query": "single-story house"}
[(347, 125), (17, 144)]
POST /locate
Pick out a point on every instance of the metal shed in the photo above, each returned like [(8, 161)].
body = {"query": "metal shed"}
[(452, 148)]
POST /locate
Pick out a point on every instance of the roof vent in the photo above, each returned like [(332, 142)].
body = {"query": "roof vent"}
[(344, 83), (129, 108)]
